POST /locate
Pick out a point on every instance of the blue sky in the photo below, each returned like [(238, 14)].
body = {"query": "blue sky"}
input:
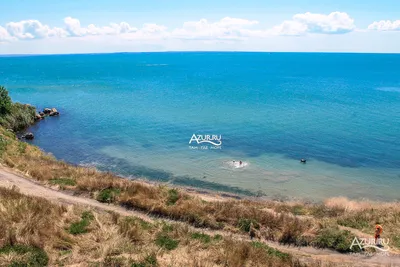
[(44, 26)]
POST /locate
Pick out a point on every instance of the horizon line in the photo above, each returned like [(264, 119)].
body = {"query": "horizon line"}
[(196, 51)]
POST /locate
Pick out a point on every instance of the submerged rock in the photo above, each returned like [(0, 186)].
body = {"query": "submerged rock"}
[(29, 136)]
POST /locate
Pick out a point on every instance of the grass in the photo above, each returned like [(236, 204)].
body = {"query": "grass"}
[(271, 251), (166, 242), (336, 239), (202, 237), (30, 256), (80, 227), (173, 196), (108, 195), (63, 181), (148, 261)]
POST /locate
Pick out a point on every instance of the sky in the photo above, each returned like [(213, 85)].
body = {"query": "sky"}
[(98, 26)]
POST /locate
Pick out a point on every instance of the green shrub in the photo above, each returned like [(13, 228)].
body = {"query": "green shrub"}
[(34, 256), (80, 227), (336, 239), (77, 228), (202, 237), (173, 196), (63, 181), (108, 195), (5, 101), (166, 242), (20, 117)]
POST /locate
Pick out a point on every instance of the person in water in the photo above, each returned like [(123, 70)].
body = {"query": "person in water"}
[(378, 232), (240, 162)]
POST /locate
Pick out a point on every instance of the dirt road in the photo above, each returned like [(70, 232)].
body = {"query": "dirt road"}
[(27, 186)]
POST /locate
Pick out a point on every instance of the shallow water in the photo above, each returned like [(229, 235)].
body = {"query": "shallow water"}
[(135, 114)]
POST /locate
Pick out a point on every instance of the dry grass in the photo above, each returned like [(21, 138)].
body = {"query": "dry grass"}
[(38, 233)]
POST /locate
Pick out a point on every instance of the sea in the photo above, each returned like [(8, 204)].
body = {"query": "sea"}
[(235, 122)]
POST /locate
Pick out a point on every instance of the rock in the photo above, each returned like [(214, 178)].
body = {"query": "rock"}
[(54, 114), (41, 114), (29, 136), (54, 110), (38, 117), (47, 111)]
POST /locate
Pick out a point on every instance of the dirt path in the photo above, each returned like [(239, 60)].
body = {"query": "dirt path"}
[(29, 187)]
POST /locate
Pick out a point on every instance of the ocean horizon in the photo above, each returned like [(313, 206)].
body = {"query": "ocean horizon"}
[(135, 114)]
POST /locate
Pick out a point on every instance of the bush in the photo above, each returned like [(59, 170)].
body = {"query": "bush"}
[(173, 197), (108, 195), (19, 118), (166, 242), (336, 239), (34, 256), (5, 101)]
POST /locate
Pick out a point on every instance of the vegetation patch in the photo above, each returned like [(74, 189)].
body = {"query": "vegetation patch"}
[(271, 251), (173, 197), (63, 181), (32, 256), (166, 242), (108, 195), (336, 239), (80, 227), (149, 261), (202, 237)]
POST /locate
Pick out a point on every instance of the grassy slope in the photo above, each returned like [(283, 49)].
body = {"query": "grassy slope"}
[(292, 223), (39, 233)]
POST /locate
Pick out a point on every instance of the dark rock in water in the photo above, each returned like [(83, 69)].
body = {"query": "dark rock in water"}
[(38, 117), (303, 160), (29, 136), (47, 111), (54, 114), (41, 114)]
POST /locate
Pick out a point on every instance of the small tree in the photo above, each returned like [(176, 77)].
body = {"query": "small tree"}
[(5, 101)]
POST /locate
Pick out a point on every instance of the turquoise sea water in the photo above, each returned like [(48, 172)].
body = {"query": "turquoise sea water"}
[(135, 113)]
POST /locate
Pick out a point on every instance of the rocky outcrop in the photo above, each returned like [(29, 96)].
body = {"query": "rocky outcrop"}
[(49, 112), (54, 112)]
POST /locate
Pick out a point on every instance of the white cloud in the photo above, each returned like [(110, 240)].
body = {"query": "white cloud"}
[(4, 36), (32, 29), (385, 25), (74, 28), (225, 29), (334, 23)]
